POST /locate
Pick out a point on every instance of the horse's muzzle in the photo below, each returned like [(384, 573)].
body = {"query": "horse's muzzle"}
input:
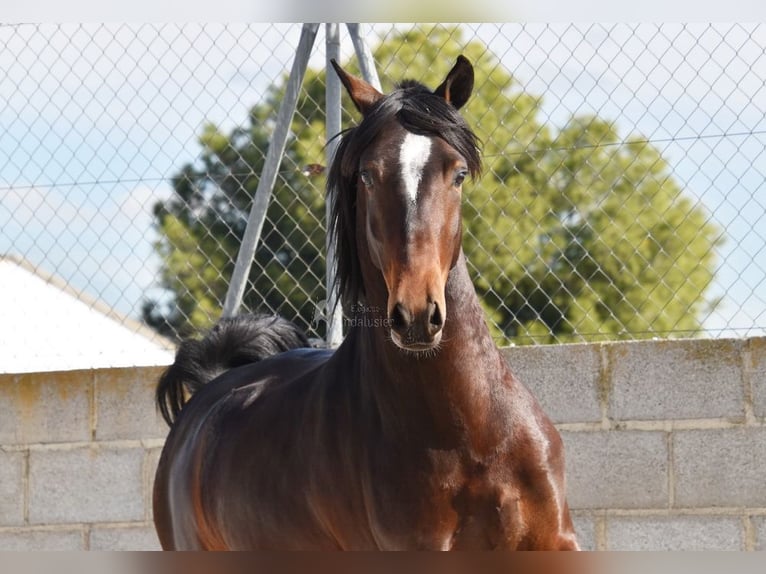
[(420, 331)]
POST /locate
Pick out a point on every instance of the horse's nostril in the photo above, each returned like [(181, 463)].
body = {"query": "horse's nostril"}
[(400, 318), (435, 320)]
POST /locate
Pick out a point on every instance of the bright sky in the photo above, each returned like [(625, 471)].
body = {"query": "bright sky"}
[(104, 103)]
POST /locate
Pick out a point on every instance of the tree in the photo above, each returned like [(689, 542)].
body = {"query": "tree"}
[(201, 226), (571, 234)]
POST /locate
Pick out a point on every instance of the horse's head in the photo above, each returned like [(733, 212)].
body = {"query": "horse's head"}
[(403, 168)]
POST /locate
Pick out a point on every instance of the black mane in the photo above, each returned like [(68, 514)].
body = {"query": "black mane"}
[(419, 111)]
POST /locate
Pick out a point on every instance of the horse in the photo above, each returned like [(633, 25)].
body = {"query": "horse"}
[(412, 434)]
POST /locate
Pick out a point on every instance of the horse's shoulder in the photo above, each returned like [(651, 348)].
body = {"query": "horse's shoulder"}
[(530, 436)]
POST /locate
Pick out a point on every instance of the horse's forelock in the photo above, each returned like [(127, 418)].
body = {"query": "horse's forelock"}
[(426, 113)]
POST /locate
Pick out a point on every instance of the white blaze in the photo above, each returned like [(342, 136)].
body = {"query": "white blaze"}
[(413, 156)]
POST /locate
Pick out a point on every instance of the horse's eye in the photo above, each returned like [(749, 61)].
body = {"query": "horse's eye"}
[(366, 178), (460, 177)]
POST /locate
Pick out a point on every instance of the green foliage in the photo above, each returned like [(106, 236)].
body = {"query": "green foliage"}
[(201, 226), (571, 234)]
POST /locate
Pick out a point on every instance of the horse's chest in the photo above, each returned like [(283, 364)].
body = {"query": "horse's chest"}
[(488, 515), (455, 511)]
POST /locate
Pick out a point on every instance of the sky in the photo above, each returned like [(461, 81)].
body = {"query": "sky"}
[(96, 118)]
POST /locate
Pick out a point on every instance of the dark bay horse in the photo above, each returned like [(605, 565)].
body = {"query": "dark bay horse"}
[(414, 433)]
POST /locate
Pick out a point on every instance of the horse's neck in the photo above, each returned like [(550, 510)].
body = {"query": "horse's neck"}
[(440, 396)]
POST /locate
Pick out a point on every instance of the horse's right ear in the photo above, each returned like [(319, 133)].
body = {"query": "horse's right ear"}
[(362, 94)]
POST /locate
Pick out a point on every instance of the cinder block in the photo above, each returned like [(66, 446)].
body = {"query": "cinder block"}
[(690, 379), (124, 538), (757, 373), (616, 469), (32, 540), (11, 488), (90, 484), (585, 528), (151, 460), (759, 525), (674, 533), (45, 407), (125, 404), (721, 467), (564, 378)]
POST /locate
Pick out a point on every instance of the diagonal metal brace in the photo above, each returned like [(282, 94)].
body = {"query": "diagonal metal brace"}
[(269, 174)]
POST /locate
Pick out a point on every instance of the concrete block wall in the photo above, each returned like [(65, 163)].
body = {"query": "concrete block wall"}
[(78, 450), (665, 440), (665, 445)]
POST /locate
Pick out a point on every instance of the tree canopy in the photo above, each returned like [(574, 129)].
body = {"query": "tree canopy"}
[(572, 233)]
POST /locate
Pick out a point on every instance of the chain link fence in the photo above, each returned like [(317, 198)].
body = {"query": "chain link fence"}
[(622, 196)]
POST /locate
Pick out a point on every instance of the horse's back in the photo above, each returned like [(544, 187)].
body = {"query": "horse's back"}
[(218, 437)]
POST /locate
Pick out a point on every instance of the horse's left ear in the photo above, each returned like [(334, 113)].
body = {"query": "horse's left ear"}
[(457, 86)]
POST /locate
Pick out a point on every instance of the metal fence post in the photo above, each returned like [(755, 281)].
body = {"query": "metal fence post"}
[(334, 310), (269, 174), (364, 55)]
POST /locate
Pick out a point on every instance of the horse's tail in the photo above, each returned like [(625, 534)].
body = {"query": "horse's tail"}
[(232, 342)]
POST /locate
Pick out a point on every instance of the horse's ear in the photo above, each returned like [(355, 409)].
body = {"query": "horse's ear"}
[(362, 94), (457, 86)]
